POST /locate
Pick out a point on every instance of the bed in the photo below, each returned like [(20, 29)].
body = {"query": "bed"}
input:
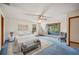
[(25, 42)]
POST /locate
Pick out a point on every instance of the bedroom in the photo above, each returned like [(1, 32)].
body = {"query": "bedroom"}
[(39, 26)]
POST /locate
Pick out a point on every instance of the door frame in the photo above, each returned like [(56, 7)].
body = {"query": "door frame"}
[(69, 20), (2, 31)]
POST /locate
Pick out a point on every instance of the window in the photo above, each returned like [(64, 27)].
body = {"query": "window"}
[(54, 28), (33, 28)]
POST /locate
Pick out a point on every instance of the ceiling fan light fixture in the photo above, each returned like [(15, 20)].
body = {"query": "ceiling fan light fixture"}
[(39, 21), (42, 18)]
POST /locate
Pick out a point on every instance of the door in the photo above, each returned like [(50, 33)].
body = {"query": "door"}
[(74, 32)]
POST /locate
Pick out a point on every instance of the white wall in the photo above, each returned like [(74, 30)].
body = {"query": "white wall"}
[(12, 25), (73, 13)]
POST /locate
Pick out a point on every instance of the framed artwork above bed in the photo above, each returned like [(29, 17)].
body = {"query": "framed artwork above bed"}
[(22, 27)]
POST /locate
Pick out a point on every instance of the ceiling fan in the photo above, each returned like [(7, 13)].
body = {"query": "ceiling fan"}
[(41, 16)]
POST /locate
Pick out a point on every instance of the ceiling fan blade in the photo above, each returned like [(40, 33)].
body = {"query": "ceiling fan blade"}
[(45, 9), (28, 14)]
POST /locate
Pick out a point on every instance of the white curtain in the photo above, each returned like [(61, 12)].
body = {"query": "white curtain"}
[(43, 25)]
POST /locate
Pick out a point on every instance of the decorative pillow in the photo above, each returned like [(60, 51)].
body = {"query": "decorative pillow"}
[(22, 33)]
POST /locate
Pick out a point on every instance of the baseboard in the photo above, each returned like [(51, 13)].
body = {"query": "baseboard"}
[(74, 42)]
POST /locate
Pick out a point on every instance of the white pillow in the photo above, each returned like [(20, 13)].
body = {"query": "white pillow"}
[(22, 33)]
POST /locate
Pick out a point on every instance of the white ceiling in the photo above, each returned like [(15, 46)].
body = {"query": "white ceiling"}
[(18, 10)]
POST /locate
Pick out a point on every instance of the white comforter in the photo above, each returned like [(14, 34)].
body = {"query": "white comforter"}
[(25, 39)]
